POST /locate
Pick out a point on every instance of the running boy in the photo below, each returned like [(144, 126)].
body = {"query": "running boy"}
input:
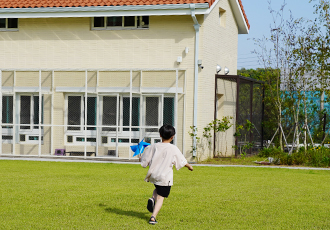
[(161, 157)]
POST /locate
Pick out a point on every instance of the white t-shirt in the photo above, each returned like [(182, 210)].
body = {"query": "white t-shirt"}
[(161, 157)]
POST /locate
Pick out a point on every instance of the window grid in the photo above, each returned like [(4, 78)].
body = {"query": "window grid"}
[(8, 24), (115, 115), (120, 22), (52, 126)]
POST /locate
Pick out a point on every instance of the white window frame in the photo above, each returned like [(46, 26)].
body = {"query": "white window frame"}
[(9, 124), (126, 133), (160, 110), (78, 133), (31, 132), (109, 133), (5, 130), (122, 27), (31, 112), (10, 29), (121, 134)]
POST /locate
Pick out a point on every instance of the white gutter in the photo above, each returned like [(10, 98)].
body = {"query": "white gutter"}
[(102, 11), (196, 26)]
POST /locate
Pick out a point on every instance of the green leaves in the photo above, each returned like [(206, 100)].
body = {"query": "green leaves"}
[(218, 126)]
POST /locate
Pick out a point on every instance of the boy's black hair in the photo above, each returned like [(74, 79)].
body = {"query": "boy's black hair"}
[(167, 131)]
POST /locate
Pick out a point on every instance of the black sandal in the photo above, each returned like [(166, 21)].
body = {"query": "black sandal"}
[(151, 205), (153, 221)]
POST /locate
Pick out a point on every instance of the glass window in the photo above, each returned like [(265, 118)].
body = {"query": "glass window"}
[(99, 22), (28, 102), (121, 22), (2, 23), (36, 111), (8, 24), (6, 137), (75, 115), (33, 138), (152, 117), (74, 112), (129, 21), (168, 111), (135, 112), (12, 23), (125, 140), (109, 113), (7, 109), (69, 139), (25, 112), (80, 139), (91, 112), (114, 21), (143, 22)]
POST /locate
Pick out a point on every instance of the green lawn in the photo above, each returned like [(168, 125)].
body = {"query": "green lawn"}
[(66, 195)]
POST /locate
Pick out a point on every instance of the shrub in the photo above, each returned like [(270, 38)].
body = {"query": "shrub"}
[(318, 156), (271, 152), (299, 158), (314, 156)]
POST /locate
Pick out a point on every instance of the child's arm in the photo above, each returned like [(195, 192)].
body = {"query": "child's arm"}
[(189, 167), (146, 157)]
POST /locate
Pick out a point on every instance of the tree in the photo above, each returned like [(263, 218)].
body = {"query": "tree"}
[(296, 60)]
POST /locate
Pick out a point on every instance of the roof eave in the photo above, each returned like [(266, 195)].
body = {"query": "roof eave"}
[(243, 27), (103, 11)]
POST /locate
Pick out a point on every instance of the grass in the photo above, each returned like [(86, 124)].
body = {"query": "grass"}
[(66, 195)]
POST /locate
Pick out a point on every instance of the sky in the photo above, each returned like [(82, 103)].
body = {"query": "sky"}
[(260, 20)]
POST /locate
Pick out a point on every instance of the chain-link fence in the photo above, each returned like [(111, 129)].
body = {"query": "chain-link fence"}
[(88, 113)]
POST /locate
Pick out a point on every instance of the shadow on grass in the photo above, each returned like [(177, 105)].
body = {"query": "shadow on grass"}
[(141, 215)]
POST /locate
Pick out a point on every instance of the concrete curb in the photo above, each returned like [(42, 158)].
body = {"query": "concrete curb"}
[(130, 162), (255, 166)]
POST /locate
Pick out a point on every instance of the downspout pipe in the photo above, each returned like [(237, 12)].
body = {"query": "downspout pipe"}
[(196, 26)]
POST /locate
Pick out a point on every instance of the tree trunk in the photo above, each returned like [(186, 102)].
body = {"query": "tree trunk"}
[(280, 124), (305, 123)]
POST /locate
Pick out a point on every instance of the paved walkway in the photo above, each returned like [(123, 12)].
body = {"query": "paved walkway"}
[(131, 162)]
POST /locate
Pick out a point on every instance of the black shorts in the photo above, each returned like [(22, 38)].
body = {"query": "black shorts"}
[(163, 191)]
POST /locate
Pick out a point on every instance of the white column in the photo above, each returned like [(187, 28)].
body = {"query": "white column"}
[(52, 117), (176, 104), (140, 109), (39, 125), (15, 118), (117, 118), (1, 111), (85, 115), (130, 112), (184, 113), (97, 115)]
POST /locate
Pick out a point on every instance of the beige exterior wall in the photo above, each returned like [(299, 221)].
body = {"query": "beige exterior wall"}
[(70, 43), (219, 38), (226, 107)]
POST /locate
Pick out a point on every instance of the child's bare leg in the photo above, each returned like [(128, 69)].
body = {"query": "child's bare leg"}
[(154, 195), (158, 205)]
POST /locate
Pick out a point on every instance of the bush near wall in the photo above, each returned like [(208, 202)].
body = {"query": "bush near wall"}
[(314, 156)]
